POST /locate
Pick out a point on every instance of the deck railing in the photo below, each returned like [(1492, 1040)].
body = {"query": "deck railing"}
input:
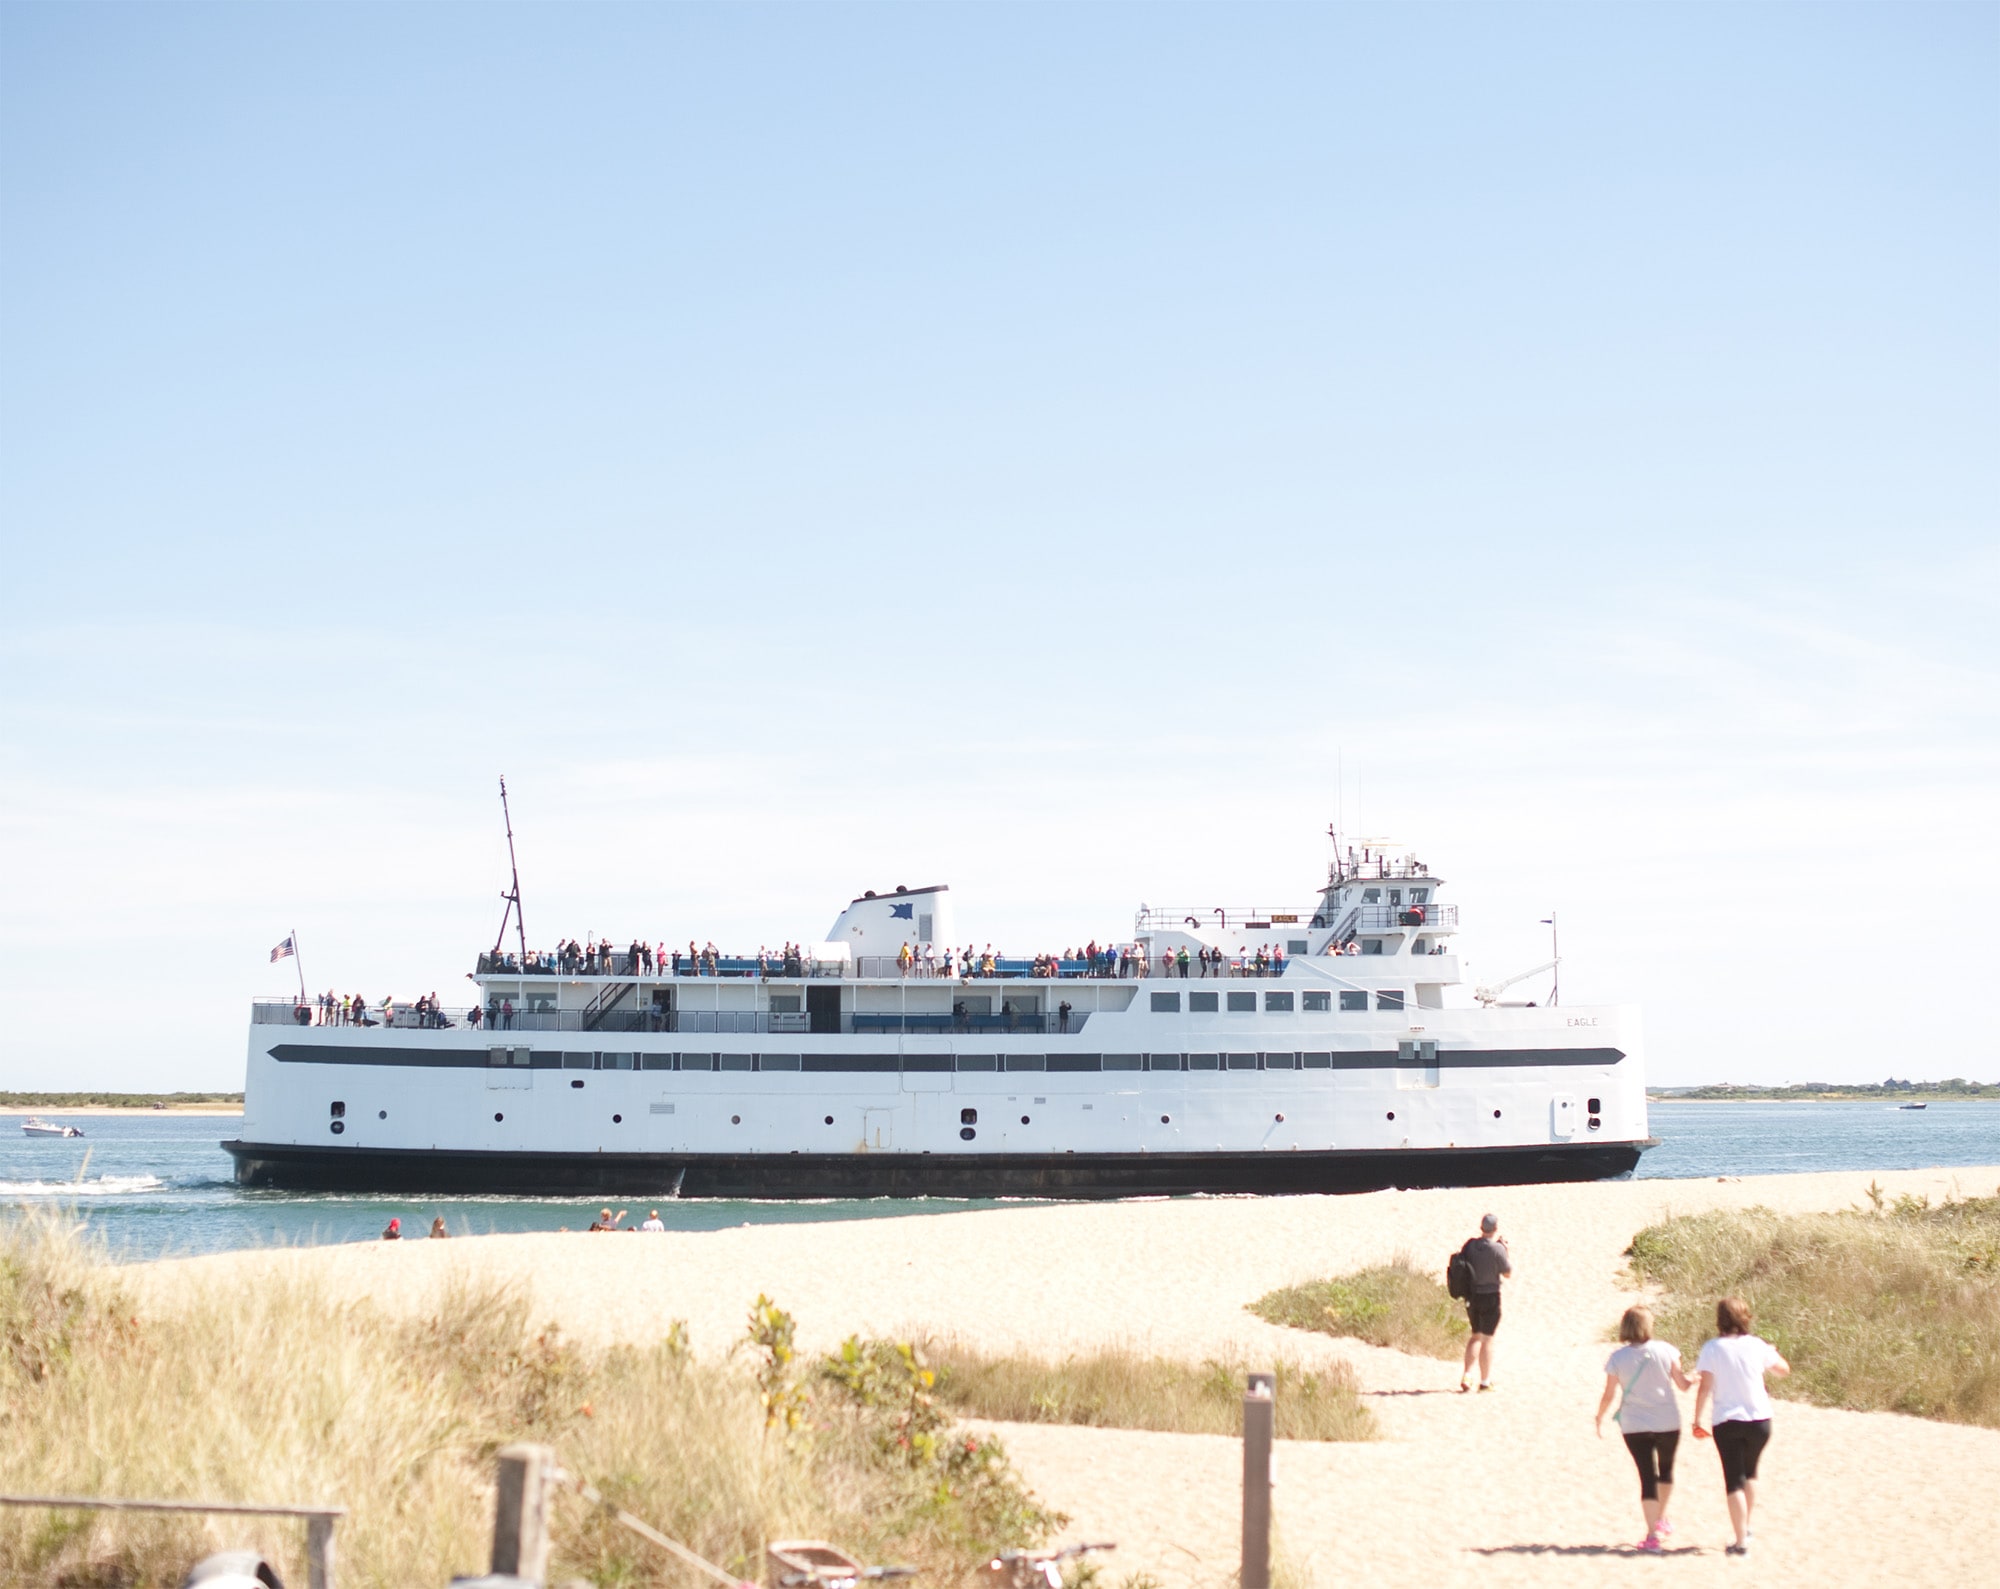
[(628, 1022)]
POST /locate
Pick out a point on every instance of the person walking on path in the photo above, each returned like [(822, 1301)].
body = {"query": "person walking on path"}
[(1487, 1255), (1731, 1393), (1648, 1372)]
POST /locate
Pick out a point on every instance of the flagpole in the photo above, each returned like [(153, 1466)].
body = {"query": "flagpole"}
[(299, 965)]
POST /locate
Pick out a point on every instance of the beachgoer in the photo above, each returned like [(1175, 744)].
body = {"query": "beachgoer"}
[(1491, 1264), (1731, 1370), (652, 1221), (1648, 1416), (393, 1231), (437, 1228)]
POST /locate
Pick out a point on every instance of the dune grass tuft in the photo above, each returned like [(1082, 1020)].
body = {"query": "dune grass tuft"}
[(1394, 1304), (1889, 1309), (285, 1393), (1114, 1387)]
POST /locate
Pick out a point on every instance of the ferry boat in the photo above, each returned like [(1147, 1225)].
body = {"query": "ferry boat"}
[(1305, 1048)]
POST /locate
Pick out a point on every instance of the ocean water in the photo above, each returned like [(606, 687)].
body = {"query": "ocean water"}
[(157, 1185)]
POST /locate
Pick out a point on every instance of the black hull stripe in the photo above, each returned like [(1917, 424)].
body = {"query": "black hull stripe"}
[(1368, 1059), (789, 1175)]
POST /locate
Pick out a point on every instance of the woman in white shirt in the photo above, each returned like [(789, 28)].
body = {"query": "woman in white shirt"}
[(1731, 1372), (1647, 1371)]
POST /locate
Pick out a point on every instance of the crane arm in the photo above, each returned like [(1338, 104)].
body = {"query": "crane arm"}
[(1493, 990)]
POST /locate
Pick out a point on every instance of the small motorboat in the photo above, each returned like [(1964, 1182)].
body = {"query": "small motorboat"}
[(1913, 1106), (34, 1126)]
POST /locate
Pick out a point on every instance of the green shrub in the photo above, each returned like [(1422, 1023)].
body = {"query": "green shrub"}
[(1113, 1387), (1892, 1310), (1393, 1304)]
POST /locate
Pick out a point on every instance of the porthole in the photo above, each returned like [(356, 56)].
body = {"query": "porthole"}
[(1596, 1124), (736, 1120), (617, 1120), (829, 1119), (968, 1117), (1594, 1106), (337, 1109), (1279, 1118), (1392, 1114), (1496, 1114), (498, 1118), (337, 1127), (381, 1114), (1166, 1120), (966, 1133), (1024, 1119), (575, 1083)]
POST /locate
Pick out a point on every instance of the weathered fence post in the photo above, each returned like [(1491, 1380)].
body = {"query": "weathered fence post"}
[(1260, 1412), (521, 1512), (319, 1551)]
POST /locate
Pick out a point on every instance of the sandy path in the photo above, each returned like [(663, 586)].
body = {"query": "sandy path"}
[(1505, 1488)]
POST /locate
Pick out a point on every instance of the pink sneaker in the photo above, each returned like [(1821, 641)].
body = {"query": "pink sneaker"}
[(1651, 1545), (1663, 1528)]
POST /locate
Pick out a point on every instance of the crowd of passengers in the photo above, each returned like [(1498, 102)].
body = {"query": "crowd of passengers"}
[(912, 960), (351, 1009)]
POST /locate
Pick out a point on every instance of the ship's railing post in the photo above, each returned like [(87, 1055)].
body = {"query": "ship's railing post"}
[(1260, 1411)]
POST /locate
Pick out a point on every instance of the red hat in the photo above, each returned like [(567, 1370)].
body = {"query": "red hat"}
[(395, 1224)]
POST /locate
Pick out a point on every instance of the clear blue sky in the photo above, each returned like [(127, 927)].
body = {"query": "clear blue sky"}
[(1034, 448)]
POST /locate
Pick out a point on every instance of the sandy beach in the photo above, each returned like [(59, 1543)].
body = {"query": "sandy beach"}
[(1509, 1488)]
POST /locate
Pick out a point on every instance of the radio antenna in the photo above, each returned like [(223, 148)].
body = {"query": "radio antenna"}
[(513, 894)]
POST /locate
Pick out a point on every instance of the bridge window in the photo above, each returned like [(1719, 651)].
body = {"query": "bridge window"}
[(1420, 896), (1353, 999), (1316, 1003), (1371, 896), (1389, 999), (1277, 1004)]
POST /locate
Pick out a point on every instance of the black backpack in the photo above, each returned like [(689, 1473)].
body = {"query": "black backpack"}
[(1458, 1275)]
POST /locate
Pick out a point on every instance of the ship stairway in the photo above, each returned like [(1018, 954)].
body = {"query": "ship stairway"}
[(606, 1002)]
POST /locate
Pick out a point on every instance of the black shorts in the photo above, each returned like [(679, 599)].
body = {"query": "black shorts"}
[(1482, 1311), (1740, 1442), (1654, 1453)]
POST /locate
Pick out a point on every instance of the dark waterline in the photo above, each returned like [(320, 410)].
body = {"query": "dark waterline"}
[(156, 1185)]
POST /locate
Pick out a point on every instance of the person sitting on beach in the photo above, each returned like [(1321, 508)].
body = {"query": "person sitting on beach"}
[(438, 1232), (1648, 1415), (652, 1221), (393, 1231), (1731, 1370), (1487, 1254)]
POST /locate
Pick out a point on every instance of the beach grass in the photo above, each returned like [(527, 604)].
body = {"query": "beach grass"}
[(283, 1393), (1119, 1388), (1395, 1304), (1887, 1308)]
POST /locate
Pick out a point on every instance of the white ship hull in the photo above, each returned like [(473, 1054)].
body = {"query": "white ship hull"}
[(1254, 1102)]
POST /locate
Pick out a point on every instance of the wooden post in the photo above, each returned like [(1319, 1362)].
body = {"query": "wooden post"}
[(521, 1512), (1260, 1410), (319, 1551)]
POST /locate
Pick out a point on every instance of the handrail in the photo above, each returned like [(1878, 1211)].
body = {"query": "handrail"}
[(319, 1520)]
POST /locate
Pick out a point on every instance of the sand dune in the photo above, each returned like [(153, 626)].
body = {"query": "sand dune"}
[(1506, 1488)]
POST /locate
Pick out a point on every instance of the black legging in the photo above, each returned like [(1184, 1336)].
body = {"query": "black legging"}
[(1655, 1455), (1740, 1442)]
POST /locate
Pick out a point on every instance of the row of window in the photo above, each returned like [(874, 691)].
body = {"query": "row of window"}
[(1312, 1003), (919, 1063)]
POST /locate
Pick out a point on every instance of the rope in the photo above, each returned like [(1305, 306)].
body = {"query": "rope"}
[(653, 1536)]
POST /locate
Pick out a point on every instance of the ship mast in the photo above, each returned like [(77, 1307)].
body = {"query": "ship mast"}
[(511, 895)]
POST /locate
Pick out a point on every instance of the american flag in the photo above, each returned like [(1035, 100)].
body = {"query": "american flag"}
[(284, 950)]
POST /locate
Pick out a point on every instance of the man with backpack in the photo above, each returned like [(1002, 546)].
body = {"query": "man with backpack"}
[(1474, 1274)]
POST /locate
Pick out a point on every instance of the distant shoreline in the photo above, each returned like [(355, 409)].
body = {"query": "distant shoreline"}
[(1895, 1102), (187, 1110)]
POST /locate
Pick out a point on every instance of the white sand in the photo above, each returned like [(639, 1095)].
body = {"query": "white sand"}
[(1506, 1488)]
